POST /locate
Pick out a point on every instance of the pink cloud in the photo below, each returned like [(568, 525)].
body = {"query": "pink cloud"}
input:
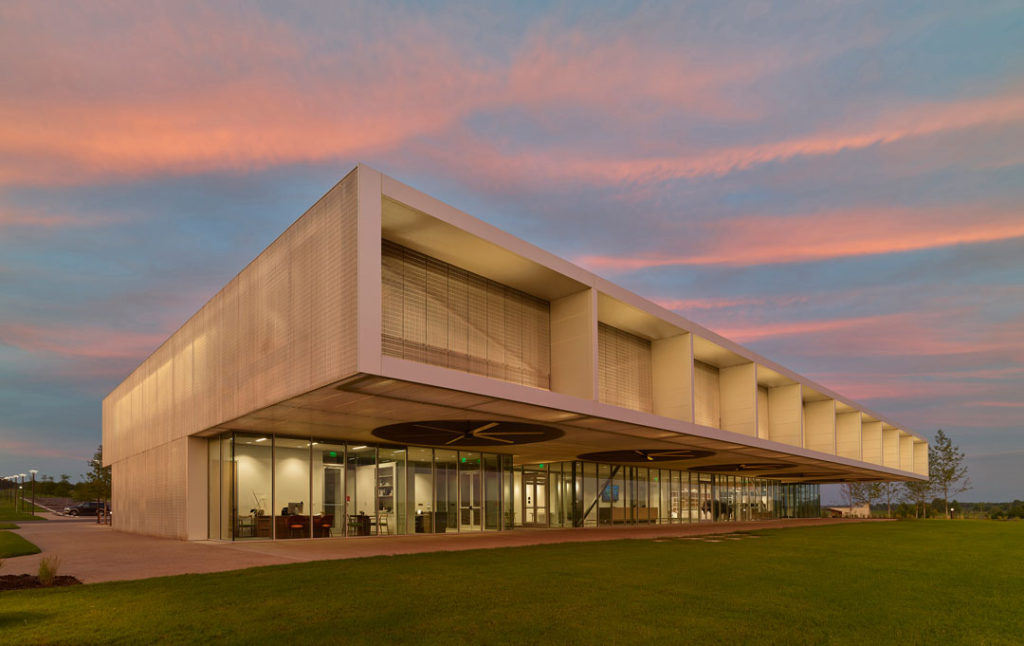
[(72, 341), (10, 217), (761, 240), (37, 449), (995, 404), (198, 89)]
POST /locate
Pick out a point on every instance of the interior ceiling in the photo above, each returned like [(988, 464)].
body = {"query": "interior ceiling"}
[(352, 410)]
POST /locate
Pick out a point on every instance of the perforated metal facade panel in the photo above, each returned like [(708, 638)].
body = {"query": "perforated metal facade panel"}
[(439, 314), (149, 491), (624, 369), (285, 325)]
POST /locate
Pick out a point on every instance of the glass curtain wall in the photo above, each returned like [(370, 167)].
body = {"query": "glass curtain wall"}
[(266, 487)]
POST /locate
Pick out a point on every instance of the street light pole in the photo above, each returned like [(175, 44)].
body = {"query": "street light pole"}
[(33, 472), (21, 495)]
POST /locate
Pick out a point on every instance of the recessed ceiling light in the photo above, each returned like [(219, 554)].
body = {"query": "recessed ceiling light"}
[(262, 439)]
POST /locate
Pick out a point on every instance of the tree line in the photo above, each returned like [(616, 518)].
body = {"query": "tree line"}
[(947, 477), (94, 485)]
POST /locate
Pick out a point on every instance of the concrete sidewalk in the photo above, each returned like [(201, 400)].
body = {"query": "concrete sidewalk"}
[(95, 553)]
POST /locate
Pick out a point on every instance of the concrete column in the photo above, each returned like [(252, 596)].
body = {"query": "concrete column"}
[(906, 451), (738, 386), (574, 345), (785, 415), (921, 458), (871, 442), (848, 435), (890, 447), (820, 426), (672, 375)]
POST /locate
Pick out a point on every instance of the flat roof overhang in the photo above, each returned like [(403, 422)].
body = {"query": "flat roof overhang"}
[(353, 408)]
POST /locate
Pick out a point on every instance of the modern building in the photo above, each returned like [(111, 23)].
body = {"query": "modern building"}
[(391, 365)]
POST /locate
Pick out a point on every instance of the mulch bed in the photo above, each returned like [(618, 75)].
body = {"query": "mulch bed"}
[(25, 581)]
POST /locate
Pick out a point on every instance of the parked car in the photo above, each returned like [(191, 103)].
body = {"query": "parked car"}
[(89, 508)]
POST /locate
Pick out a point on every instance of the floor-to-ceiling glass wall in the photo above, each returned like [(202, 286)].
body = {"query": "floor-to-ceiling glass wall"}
[(420, 514), (251, 474), (446, 490), (265, 486), (492, 491), (391, 491), (292, 484), (470, 492), (328, 506)]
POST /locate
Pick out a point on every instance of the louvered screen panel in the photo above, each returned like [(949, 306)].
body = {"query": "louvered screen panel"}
[(392, 295), (414, 315), (437, 313), (442, 315), (458, 319), (624, 369), (495, 331), (476, 320)]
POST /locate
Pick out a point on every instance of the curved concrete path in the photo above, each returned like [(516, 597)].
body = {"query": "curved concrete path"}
[(96, 553)]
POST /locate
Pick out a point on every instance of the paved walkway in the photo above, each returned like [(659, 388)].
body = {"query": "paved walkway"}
[(95, 553)]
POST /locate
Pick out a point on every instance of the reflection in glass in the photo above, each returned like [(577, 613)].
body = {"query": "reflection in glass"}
[(360, 490), (492, 492), (590, 499), (391, 491), (446, 490), (421, 491)]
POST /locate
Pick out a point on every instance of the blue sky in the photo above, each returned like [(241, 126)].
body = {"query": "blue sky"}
[(836, 185)]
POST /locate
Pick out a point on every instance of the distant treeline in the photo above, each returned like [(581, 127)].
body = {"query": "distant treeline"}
[(48, 487), (936, 509)]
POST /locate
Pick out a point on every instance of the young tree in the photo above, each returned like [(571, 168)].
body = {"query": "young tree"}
[(96, 483), (946, 468), (890, 493), (919, 493)]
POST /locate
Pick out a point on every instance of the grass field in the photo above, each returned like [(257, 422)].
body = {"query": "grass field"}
[(13, 545), (7, 511), (926, 582)]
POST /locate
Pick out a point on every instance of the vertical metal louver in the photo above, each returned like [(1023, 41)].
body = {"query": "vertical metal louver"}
[(442, 315), (624, 369)]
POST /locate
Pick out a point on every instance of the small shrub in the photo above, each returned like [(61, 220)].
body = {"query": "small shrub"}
[(48, 570)]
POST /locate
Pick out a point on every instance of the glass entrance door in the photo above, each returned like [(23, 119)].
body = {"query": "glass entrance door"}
[(535, 499), (470, 492)]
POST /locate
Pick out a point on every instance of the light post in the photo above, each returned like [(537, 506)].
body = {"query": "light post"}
[(33, 472), (21, 495)]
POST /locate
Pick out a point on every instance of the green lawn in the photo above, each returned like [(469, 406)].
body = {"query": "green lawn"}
[(13, 545), (8, 526), (7, 511), (927, 582)]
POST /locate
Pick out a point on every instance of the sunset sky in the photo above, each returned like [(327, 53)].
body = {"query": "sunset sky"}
[(837, 185)]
